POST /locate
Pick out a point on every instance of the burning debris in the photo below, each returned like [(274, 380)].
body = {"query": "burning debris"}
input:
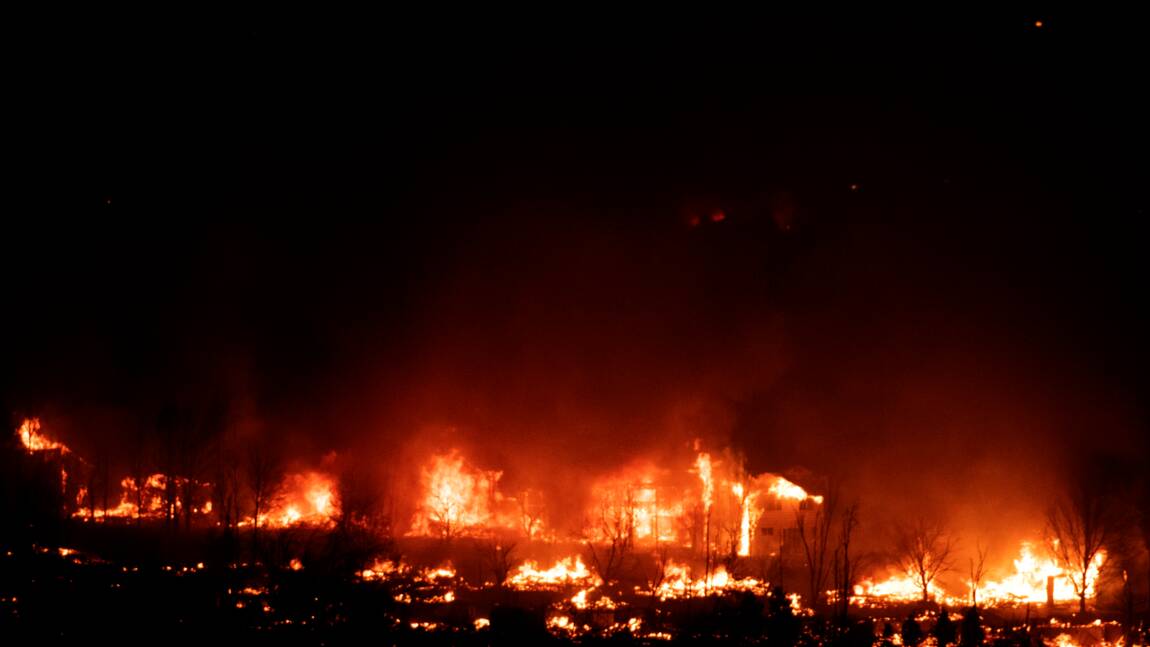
[(566, 572)]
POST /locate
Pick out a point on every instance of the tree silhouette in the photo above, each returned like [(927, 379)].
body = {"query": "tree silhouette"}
[(922, 549), (977, 571), (616, 526), (264, 474), (815, 532), (1078, 527), (845, 563)]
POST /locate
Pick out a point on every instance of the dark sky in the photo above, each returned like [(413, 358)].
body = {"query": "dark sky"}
[(930, 266)]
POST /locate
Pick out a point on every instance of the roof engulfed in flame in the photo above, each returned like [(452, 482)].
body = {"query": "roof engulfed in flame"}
[(784, 489), (34, 441)]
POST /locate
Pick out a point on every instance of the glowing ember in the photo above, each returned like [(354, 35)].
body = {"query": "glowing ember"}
[(447, 571), (150, 499), (380, 570), (562, 625)]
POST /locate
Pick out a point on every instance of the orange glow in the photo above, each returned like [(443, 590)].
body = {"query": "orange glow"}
[(678, 583), (148, 500), (457, 499), (567, 571), (1028, 581), (380, 570), (306, 498), (703, 467), (784, 489), (33, 440), (719, 505), (744, 519), (633, 501), (898, 587)]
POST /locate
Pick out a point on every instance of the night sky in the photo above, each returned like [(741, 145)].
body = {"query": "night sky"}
[(890, 251)]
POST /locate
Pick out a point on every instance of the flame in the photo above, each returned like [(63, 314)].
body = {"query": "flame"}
[(677, 583), (34, 441), (457, 499), (151, 495), (570, 570), (641, 503), (380, 570), (1028, 581), (784, 489), (306, 498), (446, 571), (898, 587), (562, 625), (703, 467), (744, 519)]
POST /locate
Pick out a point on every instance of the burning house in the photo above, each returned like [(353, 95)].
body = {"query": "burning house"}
[(517, 350)]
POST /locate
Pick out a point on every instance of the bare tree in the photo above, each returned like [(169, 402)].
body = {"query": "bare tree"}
[(226, 482), (977, 571), (616, 525), (815, 535), (846, 564), (498, 556), (530, 513), (1078, 528), (662, 559), (139, 469), (923, 550), (167, 427), (363, 526), (264, 475)]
